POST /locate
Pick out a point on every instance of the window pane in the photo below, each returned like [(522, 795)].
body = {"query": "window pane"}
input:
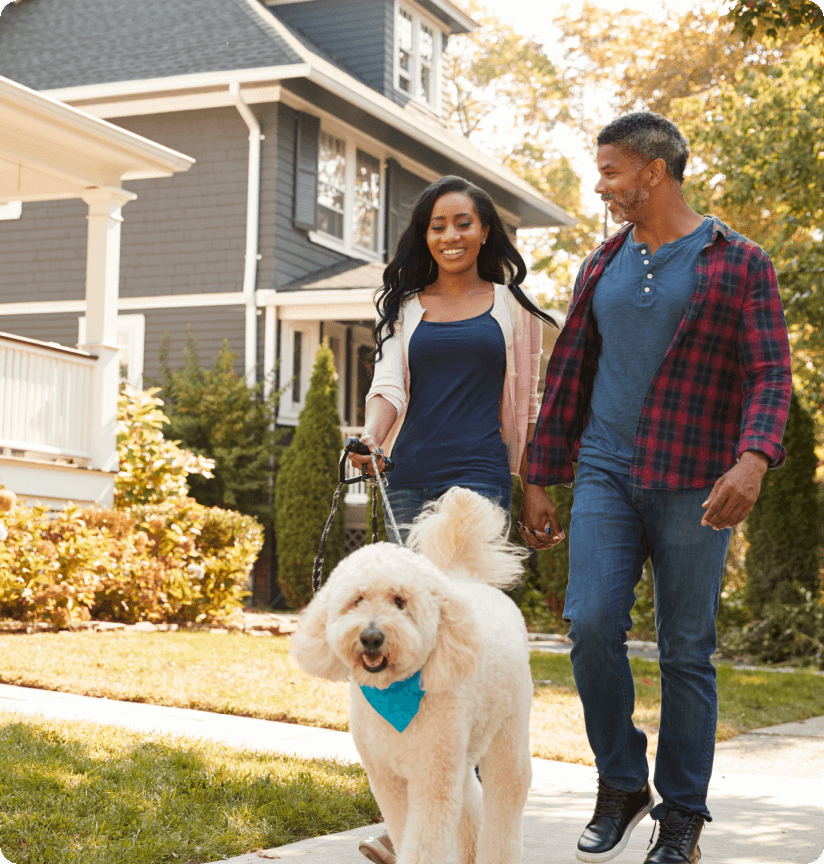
[(427, 44), (405, 48), (331, 184), (426, 84), (367, 200)]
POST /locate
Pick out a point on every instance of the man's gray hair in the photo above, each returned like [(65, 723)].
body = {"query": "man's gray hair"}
[(649, 135)]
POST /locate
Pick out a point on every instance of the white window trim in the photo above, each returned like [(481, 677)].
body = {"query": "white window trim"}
[(135, 326), (288, 410), (346, 245), (12, 210), (419, 17)]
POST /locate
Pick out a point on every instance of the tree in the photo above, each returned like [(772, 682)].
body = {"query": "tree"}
[(305, 485), (773, 16), (215, 413), (783, 528)]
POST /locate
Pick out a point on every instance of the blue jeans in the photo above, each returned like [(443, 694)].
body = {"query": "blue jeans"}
[(407, 503), (615, 527)]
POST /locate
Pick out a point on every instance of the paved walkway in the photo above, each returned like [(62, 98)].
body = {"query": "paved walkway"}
[(766, 795)]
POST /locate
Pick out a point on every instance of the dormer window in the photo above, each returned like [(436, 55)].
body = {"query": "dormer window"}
[(418, 56)]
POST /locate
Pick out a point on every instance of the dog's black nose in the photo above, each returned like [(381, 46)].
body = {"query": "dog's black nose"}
[(371, 638)]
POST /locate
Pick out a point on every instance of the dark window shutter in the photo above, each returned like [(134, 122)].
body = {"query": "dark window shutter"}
[(307, 143)]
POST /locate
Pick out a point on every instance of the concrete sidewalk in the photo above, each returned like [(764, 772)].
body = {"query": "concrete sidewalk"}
[(766, 794)]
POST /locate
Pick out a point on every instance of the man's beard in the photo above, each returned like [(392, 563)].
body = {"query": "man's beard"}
[(628, 202)]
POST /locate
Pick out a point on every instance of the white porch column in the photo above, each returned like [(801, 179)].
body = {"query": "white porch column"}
[(102, 288)]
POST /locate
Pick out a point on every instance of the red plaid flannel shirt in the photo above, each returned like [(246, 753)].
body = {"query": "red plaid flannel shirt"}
[(723, 387)]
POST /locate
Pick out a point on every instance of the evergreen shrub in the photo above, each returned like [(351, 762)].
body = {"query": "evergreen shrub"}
[(305, 485), (784, 589), (783, 528)]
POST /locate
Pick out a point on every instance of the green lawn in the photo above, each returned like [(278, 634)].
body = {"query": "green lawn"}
[(253, 676), (76, 793)]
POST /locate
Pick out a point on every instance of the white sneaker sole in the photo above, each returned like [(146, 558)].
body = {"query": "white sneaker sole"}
[(618, 848)]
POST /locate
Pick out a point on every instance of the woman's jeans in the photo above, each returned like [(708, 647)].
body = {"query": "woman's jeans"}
[(407, 503), (615, 527)]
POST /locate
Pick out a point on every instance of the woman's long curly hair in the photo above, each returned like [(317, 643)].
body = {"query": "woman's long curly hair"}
[(413, 267)]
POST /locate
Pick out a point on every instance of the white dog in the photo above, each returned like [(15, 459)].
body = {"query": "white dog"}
[(388, 613)]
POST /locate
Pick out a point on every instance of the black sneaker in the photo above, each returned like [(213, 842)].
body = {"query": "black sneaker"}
[(616, 814), (677, 841)]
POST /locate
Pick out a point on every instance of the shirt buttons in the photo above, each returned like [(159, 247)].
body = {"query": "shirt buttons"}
[(643, 251), (646, 290), (646, 262)]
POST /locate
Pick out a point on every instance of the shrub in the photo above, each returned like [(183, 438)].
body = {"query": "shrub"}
[(152, 468), (305, 485), (171, 562)]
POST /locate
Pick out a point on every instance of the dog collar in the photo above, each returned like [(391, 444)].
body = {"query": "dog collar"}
[(398, 703)]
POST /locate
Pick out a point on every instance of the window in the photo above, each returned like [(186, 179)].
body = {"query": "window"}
[(350, 187), (418, 57)]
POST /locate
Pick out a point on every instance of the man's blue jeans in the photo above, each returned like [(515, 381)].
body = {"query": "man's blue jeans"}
[(615, 527), (407, 503)]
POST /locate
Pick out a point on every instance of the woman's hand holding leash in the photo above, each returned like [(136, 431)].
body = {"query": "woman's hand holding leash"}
[(539, 524), (363, 461)]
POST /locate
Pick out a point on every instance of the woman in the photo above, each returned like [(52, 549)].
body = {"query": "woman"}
[(457, 352), (458, 344), (454, 395)]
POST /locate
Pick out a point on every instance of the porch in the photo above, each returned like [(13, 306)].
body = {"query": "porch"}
[(58, 435)]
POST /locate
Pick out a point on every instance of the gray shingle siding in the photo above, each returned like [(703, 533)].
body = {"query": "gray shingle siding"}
[(354, 34), (43, 254), (47, 44), (47, 328), (209, 326), (186, 234), (295, 254)]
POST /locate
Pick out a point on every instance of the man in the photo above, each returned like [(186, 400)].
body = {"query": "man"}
[(669, 385)]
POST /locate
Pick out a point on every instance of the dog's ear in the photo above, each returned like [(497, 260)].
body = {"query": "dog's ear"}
[(458, 645), (309, 645)]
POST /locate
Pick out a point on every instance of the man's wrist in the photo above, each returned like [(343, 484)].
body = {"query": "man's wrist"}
[(755, 459)]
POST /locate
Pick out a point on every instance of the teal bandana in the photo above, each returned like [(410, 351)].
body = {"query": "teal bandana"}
[(398, 703)]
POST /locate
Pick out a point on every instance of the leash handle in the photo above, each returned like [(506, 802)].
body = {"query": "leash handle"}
[(355, 445)]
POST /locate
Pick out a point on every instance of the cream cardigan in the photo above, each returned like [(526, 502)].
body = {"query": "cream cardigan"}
[(519, 400)]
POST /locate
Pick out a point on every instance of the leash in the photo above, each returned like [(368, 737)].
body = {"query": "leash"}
[(354, 445)]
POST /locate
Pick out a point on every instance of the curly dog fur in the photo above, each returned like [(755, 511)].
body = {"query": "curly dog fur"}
[(438, 608)]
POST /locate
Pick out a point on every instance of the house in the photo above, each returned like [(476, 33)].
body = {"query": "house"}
[(314, 125)]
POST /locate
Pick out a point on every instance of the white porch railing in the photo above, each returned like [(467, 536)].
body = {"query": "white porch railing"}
[(45, 399)]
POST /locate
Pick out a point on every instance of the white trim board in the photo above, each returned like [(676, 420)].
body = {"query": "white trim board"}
[(167, 301)]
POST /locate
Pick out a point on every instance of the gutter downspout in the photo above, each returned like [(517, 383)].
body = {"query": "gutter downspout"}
[(252, 231)]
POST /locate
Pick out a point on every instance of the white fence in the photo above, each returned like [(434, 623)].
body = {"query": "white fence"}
[(45, 399)]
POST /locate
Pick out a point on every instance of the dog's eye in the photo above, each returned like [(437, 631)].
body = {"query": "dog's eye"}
[(400, 602)]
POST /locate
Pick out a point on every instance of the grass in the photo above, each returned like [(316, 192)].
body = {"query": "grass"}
[(254, 677), (76, 793)]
